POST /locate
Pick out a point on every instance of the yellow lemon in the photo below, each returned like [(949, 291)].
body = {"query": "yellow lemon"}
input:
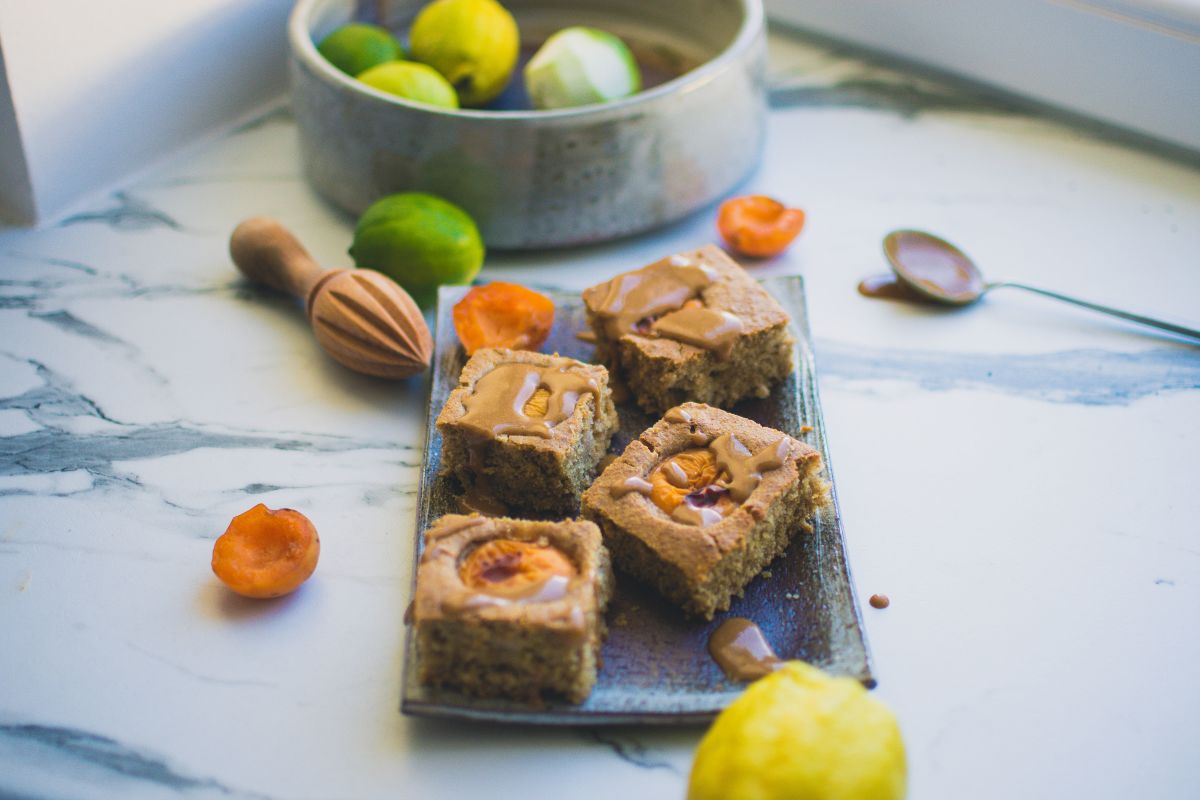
[(800, 734), (412, 81), (473, 43)]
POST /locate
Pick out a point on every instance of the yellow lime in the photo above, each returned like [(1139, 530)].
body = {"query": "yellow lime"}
[(800, 734), (420, 241), (579, 66), (357, 47), (473, 43), (411, 81)]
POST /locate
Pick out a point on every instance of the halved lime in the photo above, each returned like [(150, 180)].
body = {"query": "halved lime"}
[(580, 66)]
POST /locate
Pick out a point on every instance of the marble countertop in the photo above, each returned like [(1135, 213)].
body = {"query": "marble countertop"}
[(1020, 477)]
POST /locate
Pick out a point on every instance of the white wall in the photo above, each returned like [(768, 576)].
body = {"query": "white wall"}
[(100, 89), (1133, 63)]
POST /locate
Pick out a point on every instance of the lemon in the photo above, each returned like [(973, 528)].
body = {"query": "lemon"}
[(357, 47), (579, 66), (412, 81), (420, 241), (800, 734), (473, 43)]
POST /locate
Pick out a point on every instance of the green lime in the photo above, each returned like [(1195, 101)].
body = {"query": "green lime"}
[(473, 43), (799, 733), (420, 241), (412, 81), (580, 66), (357, 47)]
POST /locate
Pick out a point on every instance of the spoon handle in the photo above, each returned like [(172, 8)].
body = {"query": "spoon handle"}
[(1181, 330), (267, 253)]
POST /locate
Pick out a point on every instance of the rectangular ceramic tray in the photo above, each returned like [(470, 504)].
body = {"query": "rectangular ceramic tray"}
[(656, 667)]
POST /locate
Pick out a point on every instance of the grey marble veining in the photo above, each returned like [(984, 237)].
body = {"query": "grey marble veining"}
[(1019, 479)]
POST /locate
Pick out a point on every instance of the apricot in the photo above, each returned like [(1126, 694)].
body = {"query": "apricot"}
[(502, 314), (690, 473), (758, 226), (538, 403), (512, 568), (265, 553)]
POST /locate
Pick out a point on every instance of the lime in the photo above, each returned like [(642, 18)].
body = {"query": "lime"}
[(799, 734), (580, 66), (412, 81), (420, 241), (357, 47), (473, 43)]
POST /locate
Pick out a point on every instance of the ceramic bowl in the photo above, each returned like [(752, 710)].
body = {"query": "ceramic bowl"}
[(537, 179)]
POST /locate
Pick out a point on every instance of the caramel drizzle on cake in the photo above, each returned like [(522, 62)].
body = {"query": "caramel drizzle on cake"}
[(661, 300), (724, 476), (744, 470), (510, 399)]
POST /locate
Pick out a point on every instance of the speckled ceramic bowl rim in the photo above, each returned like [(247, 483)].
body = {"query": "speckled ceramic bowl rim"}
[(302, 46)]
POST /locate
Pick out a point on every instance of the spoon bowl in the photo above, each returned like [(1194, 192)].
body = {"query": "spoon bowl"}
[(934, 268)]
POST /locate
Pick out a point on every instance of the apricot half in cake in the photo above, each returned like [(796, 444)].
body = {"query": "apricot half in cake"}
[(701, 502), (511, 608)]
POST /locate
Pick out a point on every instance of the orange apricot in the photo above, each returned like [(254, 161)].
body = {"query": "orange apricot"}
[(758, 226), (265, 553), (686, 473), (512, 568), (502, 314)]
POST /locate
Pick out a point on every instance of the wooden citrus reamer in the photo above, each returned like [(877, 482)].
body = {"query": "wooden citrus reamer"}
[(360, 317)]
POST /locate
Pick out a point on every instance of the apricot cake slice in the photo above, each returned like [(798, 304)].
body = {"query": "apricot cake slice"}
[(527, 429), (511, 608), (691, 327), (701, 503)]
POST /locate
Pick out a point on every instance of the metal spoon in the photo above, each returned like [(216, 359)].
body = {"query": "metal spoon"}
[(937, 270)]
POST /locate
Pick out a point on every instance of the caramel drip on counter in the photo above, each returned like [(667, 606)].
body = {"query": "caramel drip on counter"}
[(888, 287), (742, 651), (702, 327), (498, 404), (744, 470)]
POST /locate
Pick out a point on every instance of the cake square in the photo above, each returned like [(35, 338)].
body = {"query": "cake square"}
[(511, 608), (527, 429), (691, 327), (701, 503)]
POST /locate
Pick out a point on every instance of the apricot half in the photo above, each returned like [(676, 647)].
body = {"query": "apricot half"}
[(511, 568), (691, 475), (265, 553)]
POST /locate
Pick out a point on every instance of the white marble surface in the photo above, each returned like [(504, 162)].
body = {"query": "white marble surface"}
[(1019, 477)]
